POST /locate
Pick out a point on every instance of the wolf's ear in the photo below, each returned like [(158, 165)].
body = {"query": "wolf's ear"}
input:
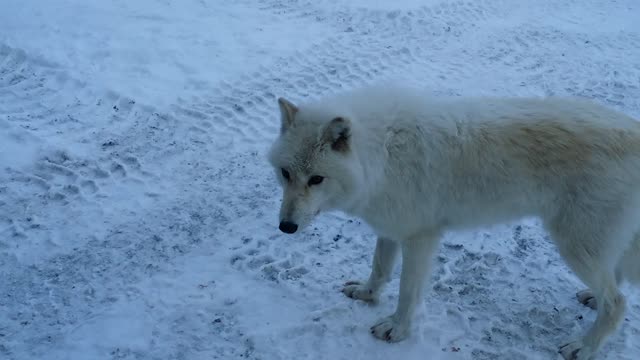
[(338, 133), (287, 113)]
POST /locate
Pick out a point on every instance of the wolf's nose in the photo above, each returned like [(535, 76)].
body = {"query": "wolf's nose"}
[(288, 227)]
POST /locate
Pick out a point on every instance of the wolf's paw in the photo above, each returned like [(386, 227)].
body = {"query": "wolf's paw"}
[(357, 290), (388, 329), (576, 351), (586, 298)]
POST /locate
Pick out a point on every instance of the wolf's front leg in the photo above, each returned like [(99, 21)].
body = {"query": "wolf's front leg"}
[(417, 255), (383, 261)]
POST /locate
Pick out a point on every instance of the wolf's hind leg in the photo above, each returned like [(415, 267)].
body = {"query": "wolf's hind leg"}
[(588, 299), (628, 269), (587, 252), (629, 265)]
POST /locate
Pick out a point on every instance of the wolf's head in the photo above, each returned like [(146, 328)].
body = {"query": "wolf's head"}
[(315, 163)]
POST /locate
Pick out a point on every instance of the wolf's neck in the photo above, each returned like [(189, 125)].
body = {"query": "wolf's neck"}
[(369, 147), (391, 152)]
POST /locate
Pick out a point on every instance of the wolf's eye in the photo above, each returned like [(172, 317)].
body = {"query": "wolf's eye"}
[(315, 180), (285, 174)]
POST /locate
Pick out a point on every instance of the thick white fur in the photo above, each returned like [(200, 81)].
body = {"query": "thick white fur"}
[(416, 166)]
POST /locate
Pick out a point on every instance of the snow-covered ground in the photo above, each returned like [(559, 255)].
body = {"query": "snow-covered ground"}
[(138, 215)]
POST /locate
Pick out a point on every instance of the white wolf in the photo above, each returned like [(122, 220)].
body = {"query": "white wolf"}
[(413, 167)]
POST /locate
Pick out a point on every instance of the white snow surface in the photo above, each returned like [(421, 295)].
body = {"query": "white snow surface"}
[(138, 214)]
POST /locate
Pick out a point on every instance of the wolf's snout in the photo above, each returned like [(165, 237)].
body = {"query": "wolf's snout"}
[(288, 227)]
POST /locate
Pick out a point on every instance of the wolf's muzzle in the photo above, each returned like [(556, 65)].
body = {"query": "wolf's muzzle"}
[(288, 227)]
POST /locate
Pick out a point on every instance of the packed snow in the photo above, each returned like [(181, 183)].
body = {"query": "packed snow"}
[(138, 214)]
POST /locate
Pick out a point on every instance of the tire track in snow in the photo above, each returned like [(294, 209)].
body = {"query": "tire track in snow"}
[(418, 44), (243, 108), (71, 216), (54, 289)]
